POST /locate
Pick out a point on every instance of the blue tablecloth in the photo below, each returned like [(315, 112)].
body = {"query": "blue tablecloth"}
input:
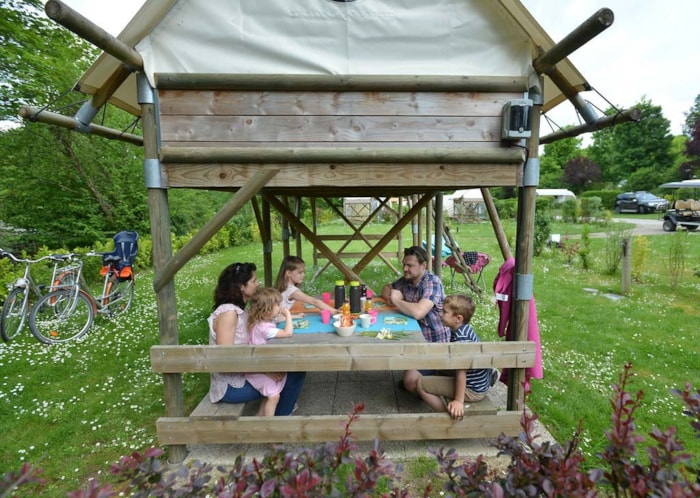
[(316, 326)]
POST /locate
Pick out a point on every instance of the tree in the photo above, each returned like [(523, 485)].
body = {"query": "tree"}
[(67, 189), (581, 173), (692, 117), (691, 167), (556, 155), (628, 147), (39, 60)]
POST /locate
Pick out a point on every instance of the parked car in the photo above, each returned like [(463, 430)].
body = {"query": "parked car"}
[(639, 202)]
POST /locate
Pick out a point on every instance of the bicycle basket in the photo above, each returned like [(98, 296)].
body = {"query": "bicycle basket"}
[(125, 248)]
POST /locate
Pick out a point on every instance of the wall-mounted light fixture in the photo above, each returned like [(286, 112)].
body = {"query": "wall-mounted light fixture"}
[(517, 119)]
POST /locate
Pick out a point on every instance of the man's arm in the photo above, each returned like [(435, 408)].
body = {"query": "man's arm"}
[(416, 310), (386, 294)]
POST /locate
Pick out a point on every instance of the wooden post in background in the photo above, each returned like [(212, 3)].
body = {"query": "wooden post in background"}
[(626, 265)]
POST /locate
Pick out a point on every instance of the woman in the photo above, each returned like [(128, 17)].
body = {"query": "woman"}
[(228, 326)]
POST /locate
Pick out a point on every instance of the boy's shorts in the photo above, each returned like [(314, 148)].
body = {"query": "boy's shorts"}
[(445, 386)]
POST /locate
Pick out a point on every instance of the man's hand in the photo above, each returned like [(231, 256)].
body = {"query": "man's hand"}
[(396, 295)]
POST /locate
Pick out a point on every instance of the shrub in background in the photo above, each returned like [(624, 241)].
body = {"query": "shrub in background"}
[(675, 261), (592, 209), (584, 253), (570, 211), (542, 232), (640, 256), (334, 469), (607, 197)]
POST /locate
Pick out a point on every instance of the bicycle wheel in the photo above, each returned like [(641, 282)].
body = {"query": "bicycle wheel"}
[(61, 316), (14, 314), (120, 294)]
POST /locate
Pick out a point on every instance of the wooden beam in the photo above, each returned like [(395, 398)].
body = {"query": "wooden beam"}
[(168, 271), (311, 237), (87, 30), (589, 29), (342, 356), (268, 155), (394, 230), (52, 118), (633, 114), (319, 428), (339, 82), (496, 224)]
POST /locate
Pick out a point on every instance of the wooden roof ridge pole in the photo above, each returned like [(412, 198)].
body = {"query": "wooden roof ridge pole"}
[(87, 30), (384, 241), (340, 82), (546, 62), (239, 199), (496, 223), (306, 232), (53, 118), (288, 155), (625, 116), (585, 32)]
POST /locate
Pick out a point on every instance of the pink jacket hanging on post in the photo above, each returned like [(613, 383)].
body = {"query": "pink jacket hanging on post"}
[(503, 287)]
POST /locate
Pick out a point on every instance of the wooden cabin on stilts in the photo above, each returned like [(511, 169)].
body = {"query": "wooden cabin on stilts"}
[(272, 101)]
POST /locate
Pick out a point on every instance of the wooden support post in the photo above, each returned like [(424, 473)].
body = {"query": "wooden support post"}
[(285, 232), (439, 230), (626, 265), (429, 234), (496, 224), (523, 259), (314, 228), (165, 294), (192, 247), (297, 238), (267, 242)]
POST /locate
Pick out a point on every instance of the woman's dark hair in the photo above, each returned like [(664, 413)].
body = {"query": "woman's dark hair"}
[(232, 279)]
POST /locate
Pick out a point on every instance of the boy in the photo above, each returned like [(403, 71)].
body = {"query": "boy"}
[(460, 385)]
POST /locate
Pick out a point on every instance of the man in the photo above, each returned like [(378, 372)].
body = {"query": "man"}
[(419, 294)]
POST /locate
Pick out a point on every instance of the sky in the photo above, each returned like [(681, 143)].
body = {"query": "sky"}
[(649, 51)]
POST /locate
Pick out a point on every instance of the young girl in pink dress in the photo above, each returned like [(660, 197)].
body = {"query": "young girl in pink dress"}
[(264, 307)]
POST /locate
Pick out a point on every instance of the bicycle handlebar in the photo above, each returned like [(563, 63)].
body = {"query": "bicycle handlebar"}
[(52, 257)]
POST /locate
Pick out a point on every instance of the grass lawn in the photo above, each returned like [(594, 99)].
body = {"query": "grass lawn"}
[(76, 408)]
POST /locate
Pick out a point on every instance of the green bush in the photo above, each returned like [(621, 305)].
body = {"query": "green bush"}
[(592, 208), (607, 197), (507, 208), (570, 211)]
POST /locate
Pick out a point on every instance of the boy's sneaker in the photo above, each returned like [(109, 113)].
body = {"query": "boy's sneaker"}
[(495, 374)]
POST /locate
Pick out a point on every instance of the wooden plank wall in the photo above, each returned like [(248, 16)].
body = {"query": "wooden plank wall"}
[(361, 119)]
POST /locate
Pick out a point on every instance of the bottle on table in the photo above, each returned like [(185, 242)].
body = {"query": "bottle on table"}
[(346, 317), (339, 293), (355, 297)]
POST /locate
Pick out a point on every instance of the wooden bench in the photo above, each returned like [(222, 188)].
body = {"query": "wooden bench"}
[(214, 423)]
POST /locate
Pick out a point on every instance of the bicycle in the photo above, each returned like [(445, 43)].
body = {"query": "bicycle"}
[(68, 312), (16, 308)]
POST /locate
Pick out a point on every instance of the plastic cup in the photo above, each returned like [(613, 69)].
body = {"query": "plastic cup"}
[(369, 294), (373, 314), (326, 297), (325, 316), (365, 320)]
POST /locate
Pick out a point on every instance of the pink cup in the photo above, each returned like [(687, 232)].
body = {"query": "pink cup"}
[(369, 293), (326, 297), (373, 314), (325, 316)]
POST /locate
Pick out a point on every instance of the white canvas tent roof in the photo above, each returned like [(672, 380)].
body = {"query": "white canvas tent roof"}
[(559, 193), (381, 37)]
